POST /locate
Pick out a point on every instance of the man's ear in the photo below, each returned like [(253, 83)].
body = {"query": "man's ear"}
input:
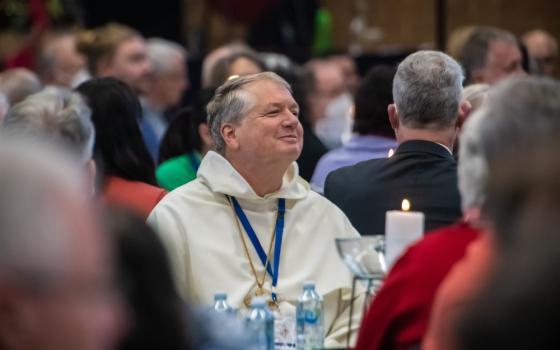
[(465, 109), (393, 116), (229, 135)]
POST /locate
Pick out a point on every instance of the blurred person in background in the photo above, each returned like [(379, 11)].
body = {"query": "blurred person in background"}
[(489, 55), (115, 50), (167, 83), (59, 116), (59, 63), (330, 103), (543, 48), (476, 95), (372, 136), (160, 318), (347, 65), (157, 312), (57, 286), (240, 61), (519, 114), (185, 143), (18, 83), (126, 168), (210, 60), (519, 307)]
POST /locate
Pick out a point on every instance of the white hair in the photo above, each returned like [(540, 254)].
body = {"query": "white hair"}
[(427, 90), (56, 114), (519, 112), (475, 94), (231, 103), (162, 54), (32, 174)]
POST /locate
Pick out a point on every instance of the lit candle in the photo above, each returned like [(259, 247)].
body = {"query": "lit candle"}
[(401, 229), (390, 153)]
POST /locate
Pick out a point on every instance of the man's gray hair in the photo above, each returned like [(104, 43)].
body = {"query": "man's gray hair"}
[(32, 242), (231, 102), (18, 83), (475, 94), (56, 114), (519, 112), (427, 90), (161, 53), (474, 54)]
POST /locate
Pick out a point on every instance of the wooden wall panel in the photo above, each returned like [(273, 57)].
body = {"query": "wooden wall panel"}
[(405, 23)]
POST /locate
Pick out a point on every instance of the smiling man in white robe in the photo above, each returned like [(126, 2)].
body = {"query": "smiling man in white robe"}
[(249, 209)]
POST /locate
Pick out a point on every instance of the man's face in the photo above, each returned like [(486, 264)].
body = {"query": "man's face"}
[(271, 129), (330, 84), (170, 85), (80, 309), (68, 62), (130, 64), (504, 59)]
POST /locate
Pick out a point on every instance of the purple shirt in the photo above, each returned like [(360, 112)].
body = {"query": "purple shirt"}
[(357, 149)]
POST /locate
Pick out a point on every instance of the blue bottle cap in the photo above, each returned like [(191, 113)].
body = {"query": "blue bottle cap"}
[(220, 296)]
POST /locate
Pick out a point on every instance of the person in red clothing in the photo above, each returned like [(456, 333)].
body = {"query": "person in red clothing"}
[(128, 170), (399, 315)]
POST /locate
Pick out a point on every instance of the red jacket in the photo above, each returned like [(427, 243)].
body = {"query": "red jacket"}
[(399, 315)]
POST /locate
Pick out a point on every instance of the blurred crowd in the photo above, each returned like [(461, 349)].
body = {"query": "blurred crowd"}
[(97, 137)]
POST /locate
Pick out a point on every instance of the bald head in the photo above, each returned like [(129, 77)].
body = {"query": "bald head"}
[(543, 48)]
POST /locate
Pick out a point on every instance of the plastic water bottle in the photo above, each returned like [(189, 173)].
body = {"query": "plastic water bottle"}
[(221, 305), (309, 318), (260, 325)]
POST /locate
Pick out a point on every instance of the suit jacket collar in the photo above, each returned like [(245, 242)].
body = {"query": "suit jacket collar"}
[(423, 146)]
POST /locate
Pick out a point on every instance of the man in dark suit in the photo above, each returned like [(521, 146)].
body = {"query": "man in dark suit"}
[(426, 118)]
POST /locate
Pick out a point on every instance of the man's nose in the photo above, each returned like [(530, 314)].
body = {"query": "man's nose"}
[(290, 119)]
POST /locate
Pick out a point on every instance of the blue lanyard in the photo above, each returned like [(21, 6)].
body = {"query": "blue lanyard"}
[(279, 232)]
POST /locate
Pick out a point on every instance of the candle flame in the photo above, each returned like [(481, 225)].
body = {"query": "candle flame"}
[(390, 153), (405, 205)]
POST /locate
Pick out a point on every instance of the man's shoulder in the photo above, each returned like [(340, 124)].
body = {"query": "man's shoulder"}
[(353, 174), (189, 194), (358, 168)]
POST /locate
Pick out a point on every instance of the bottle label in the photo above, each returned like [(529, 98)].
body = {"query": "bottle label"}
[(311, 316), (284, 332)]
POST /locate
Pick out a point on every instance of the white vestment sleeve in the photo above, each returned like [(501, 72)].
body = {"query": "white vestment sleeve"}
[(166, 225)]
